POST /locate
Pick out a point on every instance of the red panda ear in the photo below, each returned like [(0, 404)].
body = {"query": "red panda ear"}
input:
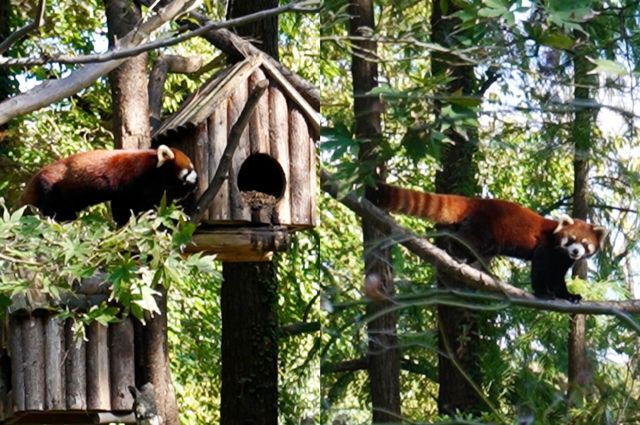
[(563, 222), (601, 233), (164, 154)]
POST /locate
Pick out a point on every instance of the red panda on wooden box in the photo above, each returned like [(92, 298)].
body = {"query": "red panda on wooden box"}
[(133, 180), (493, 227)]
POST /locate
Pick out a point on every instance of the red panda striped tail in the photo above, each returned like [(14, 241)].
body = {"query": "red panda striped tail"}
[(438, 208)]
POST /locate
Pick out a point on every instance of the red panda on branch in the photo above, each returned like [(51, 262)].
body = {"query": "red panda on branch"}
[(493, 227), (133, 180)]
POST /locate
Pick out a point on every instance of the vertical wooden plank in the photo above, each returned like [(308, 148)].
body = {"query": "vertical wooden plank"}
[(313, 181), (33, 349), (279, 148), (201, 159), (54, 364), (220, 207), (17, 363), (259, 122), (98, 388), (239, 211), (299, 167), (121, 364), (75, 370)]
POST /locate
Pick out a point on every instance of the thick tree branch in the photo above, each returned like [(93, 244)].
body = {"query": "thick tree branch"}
[(163, 65), (54, 90), (17, 35), (298, 328), (473, 278), (125, 51), (234, 45), (346, 366), (232, 143)]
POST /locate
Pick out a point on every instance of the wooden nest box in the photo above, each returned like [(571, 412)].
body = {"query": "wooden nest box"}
[(49, 376), (271, 185)]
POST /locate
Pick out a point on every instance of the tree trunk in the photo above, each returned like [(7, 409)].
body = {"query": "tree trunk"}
[(580, 371), (263, 33), (384, 352), (129, 82), (6, 87), (458, 337), (131, 129), (249, 344), (249, 300)]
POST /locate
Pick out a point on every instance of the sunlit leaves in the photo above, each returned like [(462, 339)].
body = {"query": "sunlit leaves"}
[(52, 257)]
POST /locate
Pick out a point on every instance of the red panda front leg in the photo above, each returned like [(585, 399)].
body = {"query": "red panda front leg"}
[(548, 269)]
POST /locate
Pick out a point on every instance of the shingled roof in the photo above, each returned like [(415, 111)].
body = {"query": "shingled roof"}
[(204, 101)]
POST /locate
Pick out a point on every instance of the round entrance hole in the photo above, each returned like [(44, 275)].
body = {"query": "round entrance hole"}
[(261, 173)]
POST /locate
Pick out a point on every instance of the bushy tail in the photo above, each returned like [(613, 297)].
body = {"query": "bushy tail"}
[(441, 209)]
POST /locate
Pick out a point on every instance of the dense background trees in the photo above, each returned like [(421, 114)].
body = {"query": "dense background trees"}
[(528, 101), (535, 91), (93, 118)]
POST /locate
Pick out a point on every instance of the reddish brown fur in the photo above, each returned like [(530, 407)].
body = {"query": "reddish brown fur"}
[(130, 178), (495, 227)]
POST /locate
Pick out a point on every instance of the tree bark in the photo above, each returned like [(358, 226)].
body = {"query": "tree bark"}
[(458, 337), (580, 369), (384, 352), (248, 300), (264, 33), (249, 344), (129, 81), (131, 129), (6, 85)]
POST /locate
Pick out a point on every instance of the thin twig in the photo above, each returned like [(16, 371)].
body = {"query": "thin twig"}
[(120, 53), (232, 143), (18, 34)]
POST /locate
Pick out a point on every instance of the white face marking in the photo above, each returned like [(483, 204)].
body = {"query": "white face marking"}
[(592, 248), (188, 176), (575, 250)]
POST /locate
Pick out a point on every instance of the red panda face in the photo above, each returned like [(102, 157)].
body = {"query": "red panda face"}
[(181, 165), (577, 238)]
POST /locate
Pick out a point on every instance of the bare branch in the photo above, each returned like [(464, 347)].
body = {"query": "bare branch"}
[(466, 274), (232, 143), (17, 35), (54, 90), (233, 45), (127, 51), (163, 65)]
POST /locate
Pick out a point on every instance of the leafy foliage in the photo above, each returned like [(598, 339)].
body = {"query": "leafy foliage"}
[(41, 256)]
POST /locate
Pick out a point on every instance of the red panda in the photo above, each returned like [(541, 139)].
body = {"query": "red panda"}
[(493, 227), (133, 180)]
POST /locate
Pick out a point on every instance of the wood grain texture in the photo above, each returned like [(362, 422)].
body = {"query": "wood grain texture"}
[(201, 159), (98, 382), (299, 153), (239, 211), (33, 352), (17, 363), (121, 364), (279, 148), (259, 122), (76, 370), (219, 209), (54, 364)]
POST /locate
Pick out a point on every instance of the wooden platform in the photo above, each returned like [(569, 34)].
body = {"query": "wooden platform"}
[(243, 244)]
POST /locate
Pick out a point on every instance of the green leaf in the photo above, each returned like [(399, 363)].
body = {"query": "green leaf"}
[(556, 39), (606, 66)]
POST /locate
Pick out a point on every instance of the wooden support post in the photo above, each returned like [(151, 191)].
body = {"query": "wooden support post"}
[(121, 364), (76, 370), (54, 364)]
